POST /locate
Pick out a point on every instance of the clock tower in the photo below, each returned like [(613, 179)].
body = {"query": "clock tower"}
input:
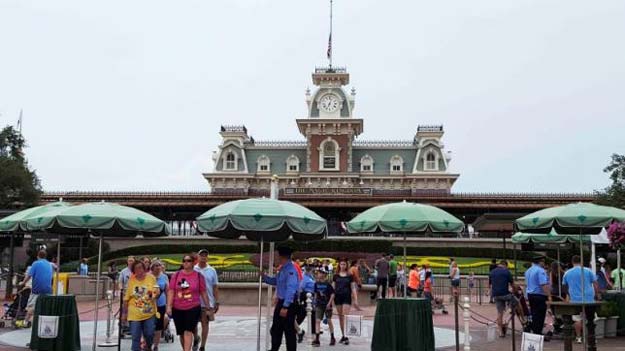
[(330, 127)]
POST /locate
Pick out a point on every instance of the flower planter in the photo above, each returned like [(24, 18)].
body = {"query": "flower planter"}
[(611, 326), (600, 327)]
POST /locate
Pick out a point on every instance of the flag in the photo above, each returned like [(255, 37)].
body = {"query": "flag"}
[(330, 46)]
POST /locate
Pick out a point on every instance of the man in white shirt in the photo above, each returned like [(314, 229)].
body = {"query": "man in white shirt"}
[(208, 312), (122, 281)]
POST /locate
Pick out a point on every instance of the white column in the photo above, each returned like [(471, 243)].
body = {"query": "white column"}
[(466, 314)]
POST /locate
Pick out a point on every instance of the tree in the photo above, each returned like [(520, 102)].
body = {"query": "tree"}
[(614, 195), (19, 185)]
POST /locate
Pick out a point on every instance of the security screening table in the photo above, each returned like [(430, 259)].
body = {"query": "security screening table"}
[(68, 337), (567, 310), (403, 324)]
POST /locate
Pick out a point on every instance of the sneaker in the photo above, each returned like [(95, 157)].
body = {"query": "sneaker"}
[(196, 342), (316, 343), (332, 341), (578, 340), (342, 340), (346, 342), (300, 336)]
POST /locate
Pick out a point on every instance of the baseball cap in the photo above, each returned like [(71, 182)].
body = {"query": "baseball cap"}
[(602, 260), (202, 251)]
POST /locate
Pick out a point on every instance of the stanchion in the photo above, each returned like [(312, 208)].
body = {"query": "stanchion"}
[(467, 320), (311, 325), (457, 322), (109, 332), (513, 309), (119, 320)]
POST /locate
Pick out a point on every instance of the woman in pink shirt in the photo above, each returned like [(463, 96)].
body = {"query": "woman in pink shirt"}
[(186, 287)]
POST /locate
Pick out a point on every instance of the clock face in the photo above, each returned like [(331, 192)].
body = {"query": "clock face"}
[(329, 103)]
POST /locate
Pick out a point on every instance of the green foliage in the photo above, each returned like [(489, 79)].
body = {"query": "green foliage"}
[(18, 184), (182, 249), (608, 309), (614, 195)]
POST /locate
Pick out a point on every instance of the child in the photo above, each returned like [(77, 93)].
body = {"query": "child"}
[(324, 298), (471, 284), (413, 281)]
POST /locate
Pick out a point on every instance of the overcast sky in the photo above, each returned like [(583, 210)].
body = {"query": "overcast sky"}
[(130, 95)]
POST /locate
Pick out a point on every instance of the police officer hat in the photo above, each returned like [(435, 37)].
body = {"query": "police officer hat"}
[(538, 258), (285, 251)]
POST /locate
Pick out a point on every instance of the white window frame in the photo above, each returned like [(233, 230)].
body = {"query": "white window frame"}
[(226, 161), (292, 161), (337, 155), (366, 161), (263, 160), (426, 163), (396, 161)]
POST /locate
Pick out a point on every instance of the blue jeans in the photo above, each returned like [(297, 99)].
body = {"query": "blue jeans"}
[(142, 328)]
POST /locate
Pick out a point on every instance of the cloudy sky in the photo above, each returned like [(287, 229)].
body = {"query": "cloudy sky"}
[(129, 95)]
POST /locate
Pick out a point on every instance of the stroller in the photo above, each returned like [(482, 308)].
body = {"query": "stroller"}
[(169, 331), (15, 312), (521, 310)]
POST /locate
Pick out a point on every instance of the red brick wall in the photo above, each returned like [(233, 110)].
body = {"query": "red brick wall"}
[(316, 140)]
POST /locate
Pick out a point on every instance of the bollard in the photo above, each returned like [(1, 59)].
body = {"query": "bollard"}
[(311, 325), (109, 342), (466, 314)]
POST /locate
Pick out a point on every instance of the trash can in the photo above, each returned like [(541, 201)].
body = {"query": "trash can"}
[(55, 324)]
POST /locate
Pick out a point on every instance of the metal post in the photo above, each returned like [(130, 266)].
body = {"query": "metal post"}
[(311, 322), (269, 296), (512, 316), (80, 249), (479, 291), (618, 267), (559, 274), (119, 320), (457, 323), (58, 264), (260, 293), (97, 296), (516, 273), (9, 289), (109, 332), (505, 254), (467, 319), (405, 260), (581, 255)]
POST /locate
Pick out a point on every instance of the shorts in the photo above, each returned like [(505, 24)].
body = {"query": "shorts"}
[(502, 301), (160, 321), (342, 299), (32, 301), (455, 283), (392, 280), (321, 311), (186, 320), (577, 318)]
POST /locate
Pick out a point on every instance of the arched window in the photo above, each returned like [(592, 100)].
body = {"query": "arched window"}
[(329, 155), (366, 164), (264, 164), (431, 162), (230, 161), (292, 164), (397, 164)]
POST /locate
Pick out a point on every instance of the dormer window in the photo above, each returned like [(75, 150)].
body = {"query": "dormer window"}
[(431, 162), (397, 164), (366, 164), (329, 155), (230, 161), (264, 164), (292, 164)]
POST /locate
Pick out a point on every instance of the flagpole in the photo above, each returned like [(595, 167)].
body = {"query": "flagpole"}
[(330, 40)]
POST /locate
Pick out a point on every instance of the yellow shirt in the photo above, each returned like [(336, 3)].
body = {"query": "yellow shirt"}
[(141, 297)]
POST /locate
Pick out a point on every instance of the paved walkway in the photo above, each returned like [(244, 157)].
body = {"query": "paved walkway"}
[(235, 329)]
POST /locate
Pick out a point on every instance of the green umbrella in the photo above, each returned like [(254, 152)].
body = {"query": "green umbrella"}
[(262, 220), (101, 219), (407, 218), (551, 238), (583, 218), (574, 218), (14, 222)]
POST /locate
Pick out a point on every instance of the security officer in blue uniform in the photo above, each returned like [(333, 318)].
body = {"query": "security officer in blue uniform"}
[(287, 286), (538, 293)]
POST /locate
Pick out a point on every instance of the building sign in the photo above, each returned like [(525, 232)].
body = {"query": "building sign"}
[(327, 191)]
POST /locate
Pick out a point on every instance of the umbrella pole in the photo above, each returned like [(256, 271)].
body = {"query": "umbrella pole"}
[(618, 269), (559, 274), (269, 295), (515, 261), (97, 295), (260, 293), (581, 255), (58, 264), (405, 268), (9, 287)]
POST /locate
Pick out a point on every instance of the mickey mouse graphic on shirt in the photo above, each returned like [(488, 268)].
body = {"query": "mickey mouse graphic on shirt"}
[(184, 292), (143, 299)]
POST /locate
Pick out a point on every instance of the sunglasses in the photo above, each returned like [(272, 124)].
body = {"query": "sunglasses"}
[(187, 260)]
